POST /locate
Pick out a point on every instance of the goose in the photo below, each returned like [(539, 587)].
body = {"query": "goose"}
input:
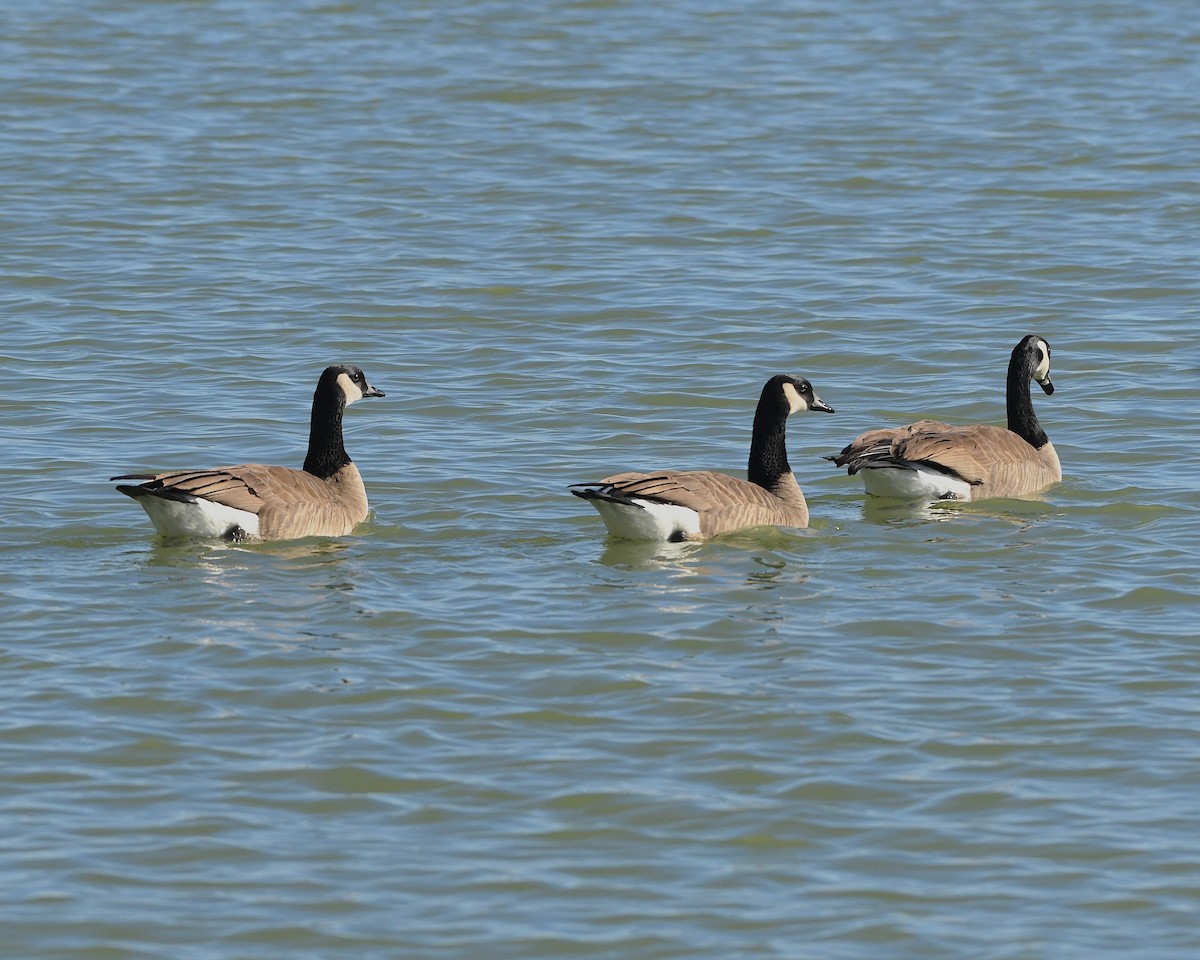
[(933, 460), (678, 505), (256, 502)]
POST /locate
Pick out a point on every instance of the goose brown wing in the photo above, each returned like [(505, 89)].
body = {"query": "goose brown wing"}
[(235, 487), (243, 487), (977, 453), (881, 443), (699, 490)]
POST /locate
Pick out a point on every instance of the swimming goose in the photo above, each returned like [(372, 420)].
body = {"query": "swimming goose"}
[(933, 460), (252, 501), (682, 505)]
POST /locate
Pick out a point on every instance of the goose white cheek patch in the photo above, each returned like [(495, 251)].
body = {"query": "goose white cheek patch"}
[(796, 402), (349, 388), (1043, 368)]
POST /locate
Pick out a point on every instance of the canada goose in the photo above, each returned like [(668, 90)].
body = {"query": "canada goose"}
[(252, 501), (697, 504), (933, 460)]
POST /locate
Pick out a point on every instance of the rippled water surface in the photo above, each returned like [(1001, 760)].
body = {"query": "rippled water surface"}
[(571, 239)]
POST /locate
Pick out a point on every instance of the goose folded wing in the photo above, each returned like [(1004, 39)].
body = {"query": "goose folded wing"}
[(699, 490), (882, 442), (235, 487), (973, 452)]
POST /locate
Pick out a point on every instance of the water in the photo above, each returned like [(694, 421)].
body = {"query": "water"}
[(567, 242)]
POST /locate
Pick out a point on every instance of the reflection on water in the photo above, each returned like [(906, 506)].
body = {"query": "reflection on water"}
[(890, 510), (646, 555), (187, 552), (741, 575), (639, 554), (265, 584), (885, 510)]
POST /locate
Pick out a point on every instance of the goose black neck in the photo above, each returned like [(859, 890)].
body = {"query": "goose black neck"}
[(326, 452), (768, 444), (1022, 420)]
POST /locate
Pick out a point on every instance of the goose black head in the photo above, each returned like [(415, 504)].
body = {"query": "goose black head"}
[(350, 381), (798, 394), (1033, 353)]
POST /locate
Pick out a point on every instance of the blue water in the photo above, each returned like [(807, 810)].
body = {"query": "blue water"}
[(566, 242)]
